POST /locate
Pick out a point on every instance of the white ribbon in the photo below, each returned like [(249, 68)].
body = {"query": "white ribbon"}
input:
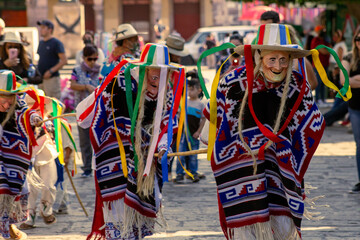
[(157, 121)]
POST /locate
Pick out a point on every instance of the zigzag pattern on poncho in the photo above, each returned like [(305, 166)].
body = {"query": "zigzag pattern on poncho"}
[(15, 152), (112, 183), (276, 189)]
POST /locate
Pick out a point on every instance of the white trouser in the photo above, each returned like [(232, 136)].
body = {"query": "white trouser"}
[(48, 174)]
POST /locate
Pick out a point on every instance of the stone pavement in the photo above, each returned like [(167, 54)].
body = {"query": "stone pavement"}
[(191, 209)]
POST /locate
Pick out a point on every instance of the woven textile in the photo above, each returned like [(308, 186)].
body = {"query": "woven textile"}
[(15, 155), (276, 189), (117, 191)]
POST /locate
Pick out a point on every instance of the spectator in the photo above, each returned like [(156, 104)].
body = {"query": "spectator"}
[(210, 43), (351, 63), (175, 45), (235, 59), (88, 39), (195, 123), (84, 80), (127, 46), (311, 76), (159, 28), (52, 59), (269, 17), (13, 56), (340, 107), (324, 59), (341, 50)]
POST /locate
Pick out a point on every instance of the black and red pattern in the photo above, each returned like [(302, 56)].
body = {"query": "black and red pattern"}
[(112, 184), (276, 189)]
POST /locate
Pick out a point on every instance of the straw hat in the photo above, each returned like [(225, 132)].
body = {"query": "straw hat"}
[(11, 37), (275, 37), (175, 45), (125, 31), (8, 84), (155, 55)]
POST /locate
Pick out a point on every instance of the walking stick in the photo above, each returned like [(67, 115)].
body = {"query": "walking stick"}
[(192, 152), (60, 116), (76, 193)]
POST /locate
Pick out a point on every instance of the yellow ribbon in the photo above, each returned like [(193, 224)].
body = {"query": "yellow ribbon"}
[(180, 130), (213, 112), (323, 75), (118, 138)]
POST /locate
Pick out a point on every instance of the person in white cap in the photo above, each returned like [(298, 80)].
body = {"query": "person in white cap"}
[(44, 165), (127, 46)]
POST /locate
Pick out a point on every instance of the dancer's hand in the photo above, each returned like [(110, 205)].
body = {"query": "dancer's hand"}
[(160, 154)]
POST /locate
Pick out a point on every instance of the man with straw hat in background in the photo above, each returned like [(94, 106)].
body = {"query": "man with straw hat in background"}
[(126, 46), (16, 143), (131, 116), (264, 130), (175, 45)]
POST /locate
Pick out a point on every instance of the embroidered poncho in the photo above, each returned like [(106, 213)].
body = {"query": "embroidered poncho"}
[(124, 210), (247, 201), (15, 156)]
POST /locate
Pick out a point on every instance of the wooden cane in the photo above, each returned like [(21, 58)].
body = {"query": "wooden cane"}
[(60, 116), (76, 193), (187, 153)]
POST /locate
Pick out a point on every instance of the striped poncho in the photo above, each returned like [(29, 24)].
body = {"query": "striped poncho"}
[(124, 211), (15, 156), (269, 204)]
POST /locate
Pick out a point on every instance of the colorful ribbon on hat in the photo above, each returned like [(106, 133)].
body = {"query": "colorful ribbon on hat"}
[(67, 128), (215, 83), (345, 91), (57, 110), (270, 37), (148, 54)]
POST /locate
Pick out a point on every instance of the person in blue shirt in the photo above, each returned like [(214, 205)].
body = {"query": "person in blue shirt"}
[(52, 59)]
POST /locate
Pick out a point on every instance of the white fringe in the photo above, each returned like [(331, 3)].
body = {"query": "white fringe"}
[(278, 228), (125, 218), (311, 205), (8, 207), (34, 179)]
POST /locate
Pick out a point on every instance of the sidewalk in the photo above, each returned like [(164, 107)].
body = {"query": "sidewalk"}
[(191, 209)]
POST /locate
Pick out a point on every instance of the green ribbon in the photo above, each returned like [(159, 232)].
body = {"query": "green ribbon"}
[(204, 55), (345, 88)]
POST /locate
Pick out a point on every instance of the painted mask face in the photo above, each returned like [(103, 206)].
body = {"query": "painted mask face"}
[(275, 65), (6, 102), (153, 79)]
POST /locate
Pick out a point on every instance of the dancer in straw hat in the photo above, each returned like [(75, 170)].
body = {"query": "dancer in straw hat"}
[(264, 130), (132, 116), (17, 138)]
